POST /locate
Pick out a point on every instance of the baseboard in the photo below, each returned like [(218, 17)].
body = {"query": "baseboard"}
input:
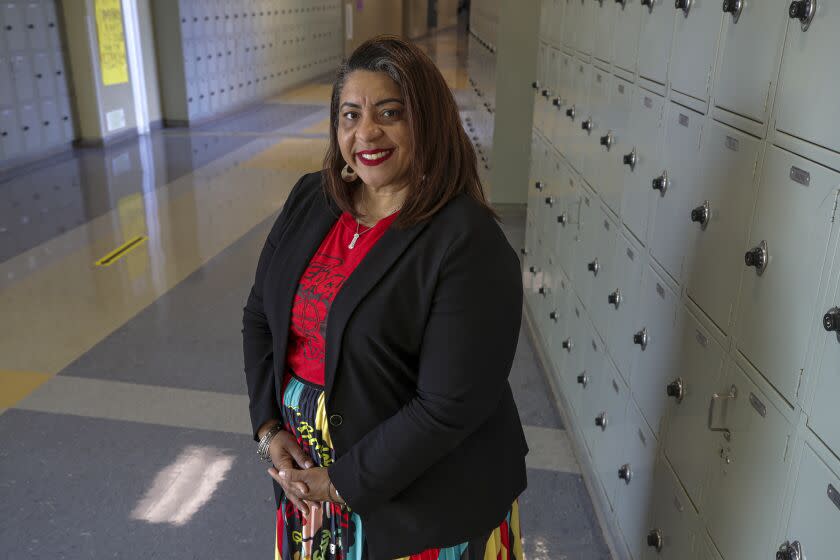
[(15, 167), (603, 511), (110, 140)]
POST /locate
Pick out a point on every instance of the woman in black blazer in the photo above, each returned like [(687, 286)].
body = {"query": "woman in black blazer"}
[(381, 397)]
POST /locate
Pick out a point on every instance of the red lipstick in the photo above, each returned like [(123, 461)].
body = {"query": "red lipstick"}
[(386, 155)]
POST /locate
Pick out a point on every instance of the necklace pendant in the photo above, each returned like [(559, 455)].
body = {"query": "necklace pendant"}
[(353, 243)]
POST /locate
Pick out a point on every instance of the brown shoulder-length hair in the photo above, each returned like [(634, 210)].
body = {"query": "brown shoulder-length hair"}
[(443, 163)]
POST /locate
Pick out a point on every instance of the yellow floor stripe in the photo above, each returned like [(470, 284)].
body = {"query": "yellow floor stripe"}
[(291, 154), (121, 251), (17, 385), (311, 93)]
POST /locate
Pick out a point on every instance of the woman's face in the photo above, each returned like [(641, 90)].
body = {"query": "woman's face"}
[(372, 130)]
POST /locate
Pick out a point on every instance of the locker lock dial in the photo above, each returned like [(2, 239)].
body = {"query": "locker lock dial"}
[(625, 473), (676, 389), (615, 298), (587, 125), (607, 141), (556, 102), (654, 539), (831, 321), (641, 338), (539, 185), (630, 159), (553, 316), (583, 379), (790, 551), (661, 183), (542, 291), (562, 219), (804, 11), (567, 344), (549, 201), (546, 93), (757, 257), (594, 267), (601, 421), (701, 214), (733, 7), (684, 5), (570, 112)]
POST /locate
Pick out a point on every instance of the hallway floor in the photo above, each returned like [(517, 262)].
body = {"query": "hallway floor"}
[(124, 426)]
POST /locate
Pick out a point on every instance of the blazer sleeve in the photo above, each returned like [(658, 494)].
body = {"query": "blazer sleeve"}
[(466, 354), (257, 343)]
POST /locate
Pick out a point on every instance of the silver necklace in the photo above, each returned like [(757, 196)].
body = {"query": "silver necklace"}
[(358, 234)]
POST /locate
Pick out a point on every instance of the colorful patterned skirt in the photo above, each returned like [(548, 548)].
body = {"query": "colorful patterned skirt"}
[(334, 532)]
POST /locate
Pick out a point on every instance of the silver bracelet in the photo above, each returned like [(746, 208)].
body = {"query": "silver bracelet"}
[(265, 442)]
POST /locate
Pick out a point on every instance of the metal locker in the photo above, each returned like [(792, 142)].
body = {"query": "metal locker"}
[(60, 73), (65, 114), (585, 29), (545, 19), (201, 59), (555, 25), (51, 21), (36, 26), (749, 57), (802, 107), (604, 416), (657, 25), (11, 143), (219, 17), (44, 75), (634, 501), (52, 128), (593, 127), (537, 85), (641, 157), (688, 444), (549, 89), (676, 189), (559, 124), (544, 303), (190, 60), (203, 97), (24, 78), (815, 515), (823, 417), (562, 221), (14, 29), (604, 18), (210, 54), (628, 21), (590, 223), (570, 351), (230, 54), (672, 529), (603, 272), (559, 317), (656, 352), (578, 138), (205, 17), (613, 138), (718, 218), (696, 33), (30, 126), (748, 468), (7, 92), (623, 304), (185, 11), (571, 22), (796, 202)]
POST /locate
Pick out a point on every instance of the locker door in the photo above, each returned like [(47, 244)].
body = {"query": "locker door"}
[(750, 54), (590, 223), (36, 26), (585, 31), (210, 55), (655, 40), (815, 515), (24, 79), (563, 221), (190, 59), (7, 92), (52, 129), (695, 43), (796, 202), (657, 354), (60, 73), (803, 108), (599, 107), (68, 132), (678, 185), (571, 22), (556, 20), (823, 418), (30, 128), (748, 472), (634, 492), (603, 415), (219, 16), (559, 317), (623, 301), (674, 522), (563, 118), (726, 179), (571, 352), (549, 87), (44, 75), (11, 144), (605, 13), (201, 59), (688, 443), (208, 25), (628, 21), (203, 97), (643, 163), (52, 30), (613, 139), (538, 85), (14, 28), (544, 304), (185, 10), (579, 138), (603, 281)]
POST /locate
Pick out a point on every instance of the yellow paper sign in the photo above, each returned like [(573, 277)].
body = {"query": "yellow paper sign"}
[(109, 28)]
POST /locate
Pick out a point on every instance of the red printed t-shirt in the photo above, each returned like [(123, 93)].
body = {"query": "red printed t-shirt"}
[(327, 270)]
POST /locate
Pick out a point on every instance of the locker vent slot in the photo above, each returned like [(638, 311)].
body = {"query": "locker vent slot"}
[(631, 255), (641, 435), (732, 143), (800, 176), (684, 120), (758, 405), (615, 386), (648, 102), (660, 290), (834, 496), (701, 338)]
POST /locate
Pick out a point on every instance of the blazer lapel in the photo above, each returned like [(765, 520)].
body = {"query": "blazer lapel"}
[(373, 266)]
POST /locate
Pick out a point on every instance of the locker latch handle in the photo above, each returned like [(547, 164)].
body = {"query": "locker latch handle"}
[(538, 185), (594, 267), (631, 159), (587, 125), (733, 394), (608, 140), (790, 551), (535, 85), (562, 219), (734, 7), (557, 102), (553, 316), (649, 4), (601, 420), (625, 473), (549, 201), (804, 11), (701, 214), (831, 320), (661, 183), (758, 257), (615, 298), (570, 112), (676, 389), (655, 540), (684, 5)]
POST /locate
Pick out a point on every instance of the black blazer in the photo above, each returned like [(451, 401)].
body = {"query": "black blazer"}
[(419, 344)]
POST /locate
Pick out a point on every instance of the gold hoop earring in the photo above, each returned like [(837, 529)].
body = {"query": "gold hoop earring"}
[(348, 174)]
